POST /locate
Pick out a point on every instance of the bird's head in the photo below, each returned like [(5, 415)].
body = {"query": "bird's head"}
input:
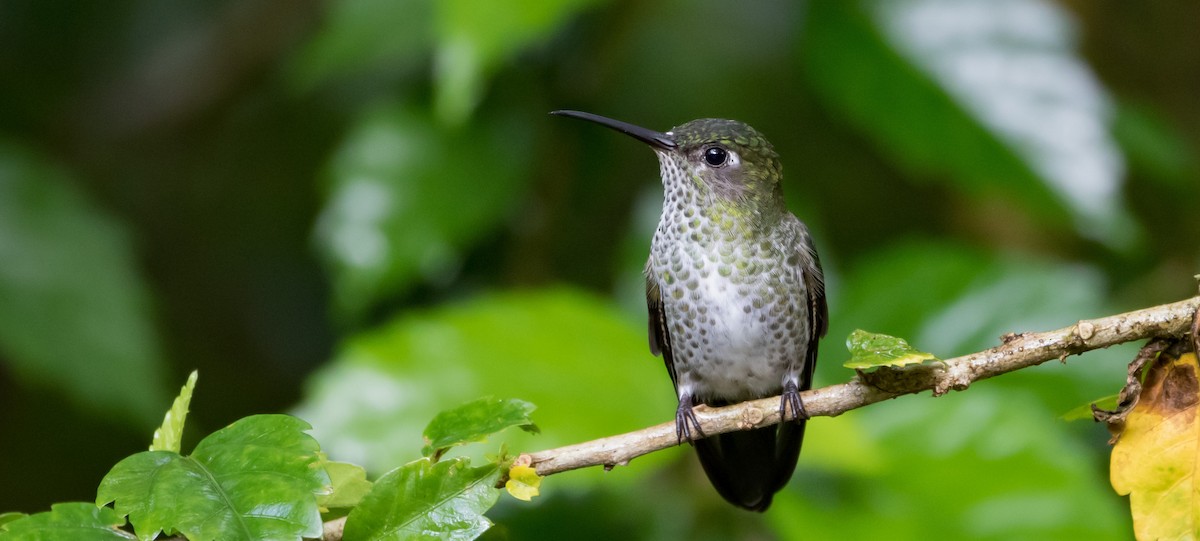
[(725, 158)]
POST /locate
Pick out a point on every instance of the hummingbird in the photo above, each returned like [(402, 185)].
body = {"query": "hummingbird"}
[(735, 296)]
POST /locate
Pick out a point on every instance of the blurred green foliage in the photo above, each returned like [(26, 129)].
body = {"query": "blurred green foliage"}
[(359, 209), (408, 194), (73, 311), (553, 347)]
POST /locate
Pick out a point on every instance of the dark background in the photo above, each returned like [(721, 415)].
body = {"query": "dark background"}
[(358, 211)]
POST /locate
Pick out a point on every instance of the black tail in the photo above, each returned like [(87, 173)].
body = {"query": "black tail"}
[(748, 467)]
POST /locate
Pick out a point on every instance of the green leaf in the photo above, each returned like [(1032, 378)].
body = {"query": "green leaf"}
[(255, 479), (895, 69), (872, 350), (74, 311), (169, 436), (474, 422), (424, 500), (348, 485), (75, 521), (407, 196), (1080, 413), (134, 484), (371, 404), (9, 517), (475, 38)]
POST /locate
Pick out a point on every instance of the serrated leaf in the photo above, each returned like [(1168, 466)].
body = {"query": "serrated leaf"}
[(426, 500), (169, 436), (75, 521), (871, 350), (1154, 461), (1084, 411), (255, 479), (134, 484), (523, 482), (74, 311), (348, 485), (474, 422)]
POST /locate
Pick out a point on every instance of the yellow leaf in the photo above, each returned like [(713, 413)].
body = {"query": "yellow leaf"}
[(523, 482), (1155, 459)]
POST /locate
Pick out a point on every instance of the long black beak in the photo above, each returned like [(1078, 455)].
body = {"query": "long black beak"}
[(653, 138)]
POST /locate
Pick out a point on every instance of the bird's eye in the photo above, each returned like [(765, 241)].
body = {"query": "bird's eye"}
[(716, 156)]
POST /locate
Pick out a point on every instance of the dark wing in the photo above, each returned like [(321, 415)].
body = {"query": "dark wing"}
[(660, 338), (818, 310)]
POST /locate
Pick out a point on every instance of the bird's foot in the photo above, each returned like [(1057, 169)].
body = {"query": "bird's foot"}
[(685, 420), (791, 399)]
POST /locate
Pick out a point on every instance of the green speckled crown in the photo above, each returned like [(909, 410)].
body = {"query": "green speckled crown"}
[(755, 185), (730, 133)]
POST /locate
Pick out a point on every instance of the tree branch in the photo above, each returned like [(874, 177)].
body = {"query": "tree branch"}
[(1016, 352)]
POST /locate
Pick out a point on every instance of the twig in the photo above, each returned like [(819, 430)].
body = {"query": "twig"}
[(1129, 394), (1017, 352), (333, 529), (1021, 351)]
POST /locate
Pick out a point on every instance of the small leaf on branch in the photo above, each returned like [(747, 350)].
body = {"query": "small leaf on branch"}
[(169, 436), (75, 521), (523, 482), (349, 485), (871, 350), (257, 478), (1154, 460), (426, 500), (474, 422)]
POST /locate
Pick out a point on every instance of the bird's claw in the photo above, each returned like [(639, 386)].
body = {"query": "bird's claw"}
[(685, 421), (791, 399)]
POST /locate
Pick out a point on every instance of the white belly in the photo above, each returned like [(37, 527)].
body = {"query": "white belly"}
[(730, 351)]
